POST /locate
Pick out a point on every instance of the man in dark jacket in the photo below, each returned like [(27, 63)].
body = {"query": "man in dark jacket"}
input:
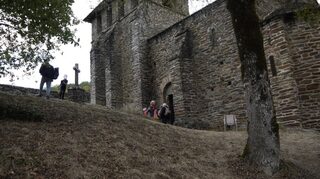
[(63, 87), (165, 113), (46, 72)]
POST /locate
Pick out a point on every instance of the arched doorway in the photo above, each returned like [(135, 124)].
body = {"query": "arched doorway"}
[(168, 98)]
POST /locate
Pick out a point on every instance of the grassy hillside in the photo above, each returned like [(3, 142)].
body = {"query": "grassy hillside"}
[(42, 138)]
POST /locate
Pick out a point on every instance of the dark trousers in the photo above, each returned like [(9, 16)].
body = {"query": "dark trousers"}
[(165, 120), (62, 92), (46, 81)]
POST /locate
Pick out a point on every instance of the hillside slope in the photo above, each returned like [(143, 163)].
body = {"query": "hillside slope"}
[(42, 138)]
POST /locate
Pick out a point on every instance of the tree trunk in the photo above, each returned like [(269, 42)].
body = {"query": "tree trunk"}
[(263, 145)]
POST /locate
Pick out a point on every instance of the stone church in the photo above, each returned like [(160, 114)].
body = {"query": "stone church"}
[(153, 49)]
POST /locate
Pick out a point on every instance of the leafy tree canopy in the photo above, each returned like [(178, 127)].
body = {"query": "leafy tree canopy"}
[(30, 30)]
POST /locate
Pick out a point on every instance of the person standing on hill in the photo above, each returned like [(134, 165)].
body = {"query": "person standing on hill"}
[(63, 87), (47, 73)]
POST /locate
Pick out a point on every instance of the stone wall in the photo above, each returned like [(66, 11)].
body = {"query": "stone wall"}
[(78, 95), (266, 8), (304, 38), (165, 57), (23, 91), (98, 76), (199, 57), (284, 89), (178, 6), (150, 51), (109, 11), (294, 45), (119, 66)]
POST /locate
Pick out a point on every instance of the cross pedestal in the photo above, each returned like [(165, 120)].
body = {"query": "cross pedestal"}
[(77, 94)]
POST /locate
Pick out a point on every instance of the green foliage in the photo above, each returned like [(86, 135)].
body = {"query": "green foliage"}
[(30, 30), (309, 14), (20, 112), (84, 85), (55, 88)]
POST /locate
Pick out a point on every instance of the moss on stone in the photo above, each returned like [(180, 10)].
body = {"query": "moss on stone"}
[(309, 14)]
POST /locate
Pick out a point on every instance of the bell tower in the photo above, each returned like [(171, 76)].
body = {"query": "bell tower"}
[(119, 59)]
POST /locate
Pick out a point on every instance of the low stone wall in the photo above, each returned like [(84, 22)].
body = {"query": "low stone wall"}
[(75, 95), (78, 95)]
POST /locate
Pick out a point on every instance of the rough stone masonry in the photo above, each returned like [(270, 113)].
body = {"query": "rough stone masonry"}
[(152, 49)]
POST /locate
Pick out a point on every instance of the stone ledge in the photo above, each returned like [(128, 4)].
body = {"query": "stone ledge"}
[(76, 96), (290, 123)]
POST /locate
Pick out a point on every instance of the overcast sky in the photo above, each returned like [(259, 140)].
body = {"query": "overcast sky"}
[(80, 55)]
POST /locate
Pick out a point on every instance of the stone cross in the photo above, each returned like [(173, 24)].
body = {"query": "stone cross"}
[(76, 72)]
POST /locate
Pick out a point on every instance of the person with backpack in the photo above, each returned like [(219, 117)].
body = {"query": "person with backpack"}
[(165, 113), (47, 73), (63, 87)]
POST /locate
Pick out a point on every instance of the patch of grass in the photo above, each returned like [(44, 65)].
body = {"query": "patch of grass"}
[(87, 141), (20, 113)]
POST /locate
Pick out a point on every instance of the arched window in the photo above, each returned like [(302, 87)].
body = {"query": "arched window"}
[(213, 37), (273, 66), (99, 23), (167, 91)]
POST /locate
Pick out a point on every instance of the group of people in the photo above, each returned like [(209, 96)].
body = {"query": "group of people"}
[(164, 113), (48, 74)]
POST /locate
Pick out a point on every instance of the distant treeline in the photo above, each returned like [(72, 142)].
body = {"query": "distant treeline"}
[(84, 85)]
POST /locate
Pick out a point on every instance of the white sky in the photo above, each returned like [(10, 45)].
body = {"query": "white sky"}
[(80, 55)]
